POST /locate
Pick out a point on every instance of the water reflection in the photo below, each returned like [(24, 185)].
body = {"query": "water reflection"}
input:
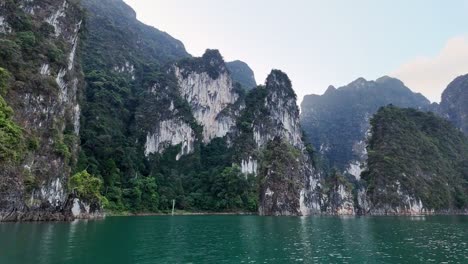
[(238, 239)]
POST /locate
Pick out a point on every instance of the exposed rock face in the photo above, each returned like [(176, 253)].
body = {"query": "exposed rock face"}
[(83, 210), (283, 119), (249, 166), (342, 201), (4, 26), (271, 137), (132, 110), (454, 104), (338, 196), (171, 133), (242, 73), (37, 190), (209, 91), (149, 108)]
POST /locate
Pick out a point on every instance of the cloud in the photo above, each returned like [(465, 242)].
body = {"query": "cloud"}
[(431, 75)]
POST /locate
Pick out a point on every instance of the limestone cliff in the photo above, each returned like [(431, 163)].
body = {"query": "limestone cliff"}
[(206, 85), (270, 145), (43, 91)]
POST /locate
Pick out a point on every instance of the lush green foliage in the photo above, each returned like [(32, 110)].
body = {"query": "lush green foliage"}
[(211, 62), (110, 138), (87, 187), (4, 79), (278, 166), (121, 106), (204, 181), (255, 109), (21, 54), (418, 154), (11, 136)]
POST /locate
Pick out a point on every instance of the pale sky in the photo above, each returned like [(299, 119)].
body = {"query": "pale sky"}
[(326, 42)]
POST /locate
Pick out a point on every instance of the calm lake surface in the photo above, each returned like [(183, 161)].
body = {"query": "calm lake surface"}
[(238, 239)]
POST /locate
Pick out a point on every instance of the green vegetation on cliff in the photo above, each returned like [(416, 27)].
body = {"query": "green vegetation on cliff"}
[(338, 120), (87, 187), (11, 136), (281, 178), (203, 181), (130, 89), (419, 155)]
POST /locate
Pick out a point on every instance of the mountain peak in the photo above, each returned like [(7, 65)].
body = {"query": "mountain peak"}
[(279, 80), (359, 82), (213, 57), (388, 79), (330, 89), (242, 73)]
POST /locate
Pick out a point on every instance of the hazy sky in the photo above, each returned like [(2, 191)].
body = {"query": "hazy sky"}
[(327, 42)]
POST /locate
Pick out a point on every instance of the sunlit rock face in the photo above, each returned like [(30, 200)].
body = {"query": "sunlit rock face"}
[(343, 201), (407, 203), (249, 166), (46, 114), (209, 90), (4, 26), (83, 210), (283, 118), (170, 133)]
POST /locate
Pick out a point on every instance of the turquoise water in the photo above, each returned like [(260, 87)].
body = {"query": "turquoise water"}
[(238, 239)]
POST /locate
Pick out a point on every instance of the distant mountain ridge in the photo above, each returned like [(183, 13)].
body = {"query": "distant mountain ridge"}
[(336, 122), (454, 104)]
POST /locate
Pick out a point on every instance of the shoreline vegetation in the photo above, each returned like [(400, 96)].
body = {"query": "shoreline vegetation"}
[(176, 213), (189, 213)]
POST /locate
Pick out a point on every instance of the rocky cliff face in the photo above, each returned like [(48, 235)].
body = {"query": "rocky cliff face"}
[(45, 84), (124, 101), (338, 197), (207, 86), (454, 104), (165, 113), (270, 145), (145, 111)]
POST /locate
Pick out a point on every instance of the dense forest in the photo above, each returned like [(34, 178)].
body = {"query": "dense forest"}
[(419, 155)]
